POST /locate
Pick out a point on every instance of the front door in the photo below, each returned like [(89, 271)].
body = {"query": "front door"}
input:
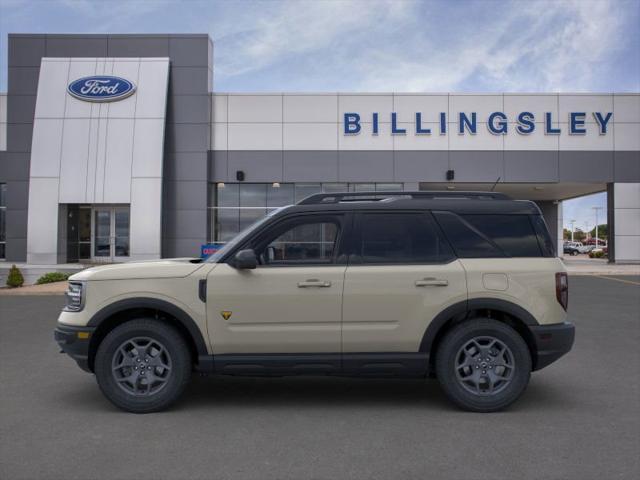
[(401, 275), (291, 303), (110, 234)]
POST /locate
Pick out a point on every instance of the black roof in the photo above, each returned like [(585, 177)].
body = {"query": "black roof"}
[(458, 202)]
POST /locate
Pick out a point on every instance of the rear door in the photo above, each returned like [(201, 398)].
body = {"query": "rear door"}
[(401, 274)]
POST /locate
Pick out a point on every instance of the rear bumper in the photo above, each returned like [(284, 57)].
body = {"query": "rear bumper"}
[(552, 342), (74, 341)]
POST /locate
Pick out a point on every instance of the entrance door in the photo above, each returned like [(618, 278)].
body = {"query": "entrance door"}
[(110, 234)]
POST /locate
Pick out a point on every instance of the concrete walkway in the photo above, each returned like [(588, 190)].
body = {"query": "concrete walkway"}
[(598, 266), (56, 288)]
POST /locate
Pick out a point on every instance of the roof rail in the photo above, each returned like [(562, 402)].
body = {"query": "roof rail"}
[(320, 198)]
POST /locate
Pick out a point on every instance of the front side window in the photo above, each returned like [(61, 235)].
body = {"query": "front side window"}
[(401, 238), (301, 242)]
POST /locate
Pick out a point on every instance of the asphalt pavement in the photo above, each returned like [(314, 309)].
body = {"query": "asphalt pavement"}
[(579, 419)]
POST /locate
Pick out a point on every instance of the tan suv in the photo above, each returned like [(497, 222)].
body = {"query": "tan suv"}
[(462, 286)]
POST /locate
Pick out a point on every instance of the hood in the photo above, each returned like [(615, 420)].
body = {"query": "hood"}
[(165, 268)]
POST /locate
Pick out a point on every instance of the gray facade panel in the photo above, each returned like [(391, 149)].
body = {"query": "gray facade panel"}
[(23, 80), (16, 223), (531, 166), (185, 166), (218, 166), (365, 166), (188, 80), (189, 51), (586, 166), (424, 166), (182, 247), (76, 46), (185, 195), (186, 223), (18, 195), (477, 166), (19, 137), (310, 166), (188, 109), (258, 166), (22, 108), (15, 167), (16, 248), (138, 46), (626, 166), (187, 137), (26, 50)]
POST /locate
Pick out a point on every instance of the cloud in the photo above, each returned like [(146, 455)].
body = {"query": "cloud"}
[(410, 46)]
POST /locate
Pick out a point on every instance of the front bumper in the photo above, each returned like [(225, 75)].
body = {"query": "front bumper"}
[(74, 341), (552, 342)]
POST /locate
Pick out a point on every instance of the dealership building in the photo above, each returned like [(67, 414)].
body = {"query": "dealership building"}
[(118, 147)]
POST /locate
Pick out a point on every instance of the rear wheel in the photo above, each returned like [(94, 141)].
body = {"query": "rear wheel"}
[(143, 365), (483, 365)]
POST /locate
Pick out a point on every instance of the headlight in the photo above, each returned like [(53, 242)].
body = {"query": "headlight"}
[(74, 297)]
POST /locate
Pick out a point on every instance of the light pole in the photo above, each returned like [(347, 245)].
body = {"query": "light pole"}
[(596, 210), (572, 222)]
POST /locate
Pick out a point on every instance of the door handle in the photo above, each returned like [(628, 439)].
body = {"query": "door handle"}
[(311, 283), (432, 282)]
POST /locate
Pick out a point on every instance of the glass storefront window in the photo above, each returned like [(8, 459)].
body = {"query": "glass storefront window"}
[(234, 206), (279, 195), (305, 189)]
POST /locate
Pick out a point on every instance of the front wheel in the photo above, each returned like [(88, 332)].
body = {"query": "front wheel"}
[(483, 365), (143, 365)]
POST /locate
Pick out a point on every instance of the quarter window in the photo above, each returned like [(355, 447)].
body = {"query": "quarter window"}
[(401, 238), (513, 234)]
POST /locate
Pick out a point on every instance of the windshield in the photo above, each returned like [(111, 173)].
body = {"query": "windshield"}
[(240, 237)]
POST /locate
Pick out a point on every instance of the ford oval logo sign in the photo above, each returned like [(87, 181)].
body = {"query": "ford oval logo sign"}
[(101, 88)]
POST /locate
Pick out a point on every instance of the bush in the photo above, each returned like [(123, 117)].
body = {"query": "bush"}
[(53, 277), (596, 254), (15, 278)]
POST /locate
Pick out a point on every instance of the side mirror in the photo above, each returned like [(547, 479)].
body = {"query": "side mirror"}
[(245, 260)]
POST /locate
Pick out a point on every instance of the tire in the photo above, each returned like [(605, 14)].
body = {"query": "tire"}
[(472, 382), (574, 253), (130, 383)]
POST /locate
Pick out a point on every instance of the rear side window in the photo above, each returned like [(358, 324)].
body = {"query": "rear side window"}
[(467, 241), (544, 239), (401, 238), (513, 234), (482, 236)]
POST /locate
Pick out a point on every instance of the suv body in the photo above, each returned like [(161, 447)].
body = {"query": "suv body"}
[(462, 286)]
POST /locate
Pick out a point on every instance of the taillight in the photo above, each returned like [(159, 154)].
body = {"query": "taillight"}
[(562, 289)]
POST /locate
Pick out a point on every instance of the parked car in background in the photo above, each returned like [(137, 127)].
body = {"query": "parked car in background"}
[(572, 248), (586, 248)]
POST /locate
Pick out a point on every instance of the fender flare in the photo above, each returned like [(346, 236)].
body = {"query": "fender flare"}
[(464, 307), (156, 304)]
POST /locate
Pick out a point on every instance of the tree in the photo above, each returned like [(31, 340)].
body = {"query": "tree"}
[(578, 235), (15, 278), (603, 231)]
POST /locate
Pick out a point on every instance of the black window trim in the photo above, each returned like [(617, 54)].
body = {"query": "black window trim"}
[(340, 257), (355, 258)]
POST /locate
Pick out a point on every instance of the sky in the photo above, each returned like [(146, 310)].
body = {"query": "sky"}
[(377, 45)]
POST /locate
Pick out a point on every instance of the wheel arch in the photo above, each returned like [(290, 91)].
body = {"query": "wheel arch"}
[(502, 310), (122, 311)]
